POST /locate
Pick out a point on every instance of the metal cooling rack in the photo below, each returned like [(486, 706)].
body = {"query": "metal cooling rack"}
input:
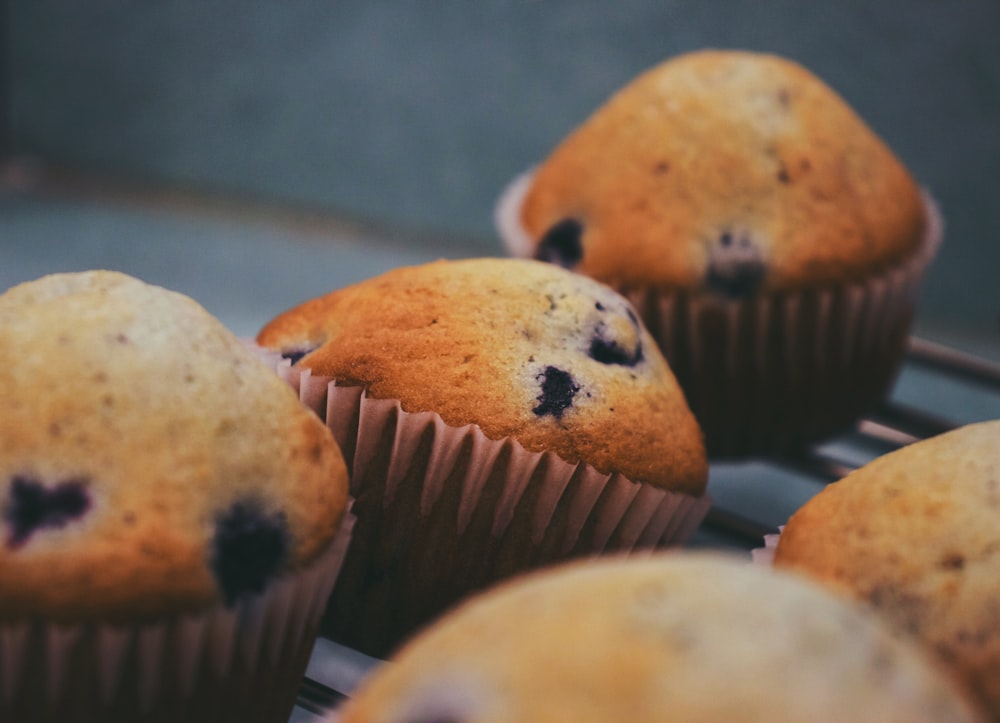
[(335, 670)]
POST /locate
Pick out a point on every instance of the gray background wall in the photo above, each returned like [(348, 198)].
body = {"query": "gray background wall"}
[(416, 114)]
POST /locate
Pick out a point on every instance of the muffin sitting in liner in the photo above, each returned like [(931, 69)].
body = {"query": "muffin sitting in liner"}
[(496, 415), (672, 637), (170, 512), (771, 242), (916, 534)]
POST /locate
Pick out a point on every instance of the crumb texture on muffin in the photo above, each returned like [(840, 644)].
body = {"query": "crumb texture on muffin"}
[(680, 636), (520, 348), (723, 171), (915, 534), (148, 462)]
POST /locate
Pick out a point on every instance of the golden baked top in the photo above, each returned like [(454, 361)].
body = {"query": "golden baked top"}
[(916, 533), (520, 348), (727, 171), (674, 636), (149, 464)]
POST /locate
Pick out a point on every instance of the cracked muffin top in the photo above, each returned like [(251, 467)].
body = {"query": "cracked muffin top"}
[(915, 534), (520, 348), (674, 636), (722, 171), (149, 463)]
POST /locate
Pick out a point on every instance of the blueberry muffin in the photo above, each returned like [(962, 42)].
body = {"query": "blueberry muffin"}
[(770, 240), (915, 534), (683, 636), (168, 510), (529, 417)]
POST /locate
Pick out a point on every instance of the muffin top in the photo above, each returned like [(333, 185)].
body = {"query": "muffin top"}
[(674, 636), (149, 464), (520, 348), (727, 172), (915, 533)]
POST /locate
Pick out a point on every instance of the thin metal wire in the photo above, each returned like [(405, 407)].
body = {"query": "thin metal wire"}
[(318, 698), (944, 359)]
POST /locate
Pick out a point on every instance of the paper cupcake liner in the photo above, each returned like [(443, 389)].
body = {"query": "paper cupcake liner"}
[(507, 216), (444, 511), (230, 663), (765, 555), (777, 372)]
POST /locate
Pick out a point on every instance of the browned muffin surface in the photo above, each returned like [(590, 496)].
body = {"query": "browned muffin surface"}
[(520, 348), (677, 636), (149, 464), (915, 533), (727, 171)]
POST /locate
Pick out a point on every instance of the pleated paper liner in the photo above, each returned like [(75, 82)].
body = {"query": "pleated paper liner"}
[(773, 373), (241, 663), (444, 511)]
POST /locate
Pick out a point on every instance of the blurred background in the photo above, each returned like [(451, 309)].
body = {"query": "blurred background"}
[(258, 152)]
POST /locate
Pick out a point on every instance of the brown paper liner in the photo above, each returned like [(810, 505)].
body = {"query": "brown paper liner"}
[(777, 372), (444, 511), (242, 663)]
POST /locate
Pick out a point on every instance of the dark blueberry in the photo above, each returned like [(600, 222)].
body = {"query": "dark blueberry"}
[(32, 506), (735, 266), (248, 548), (562, 244), (294, 355), (558, 390), (609, 351), (953, 561)]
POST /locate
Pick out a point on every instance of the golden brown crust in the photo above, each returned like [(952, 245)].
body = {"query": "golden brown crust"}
[(154, 422), (915, 533), (718, 143), (682, 636), (474, 340)]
